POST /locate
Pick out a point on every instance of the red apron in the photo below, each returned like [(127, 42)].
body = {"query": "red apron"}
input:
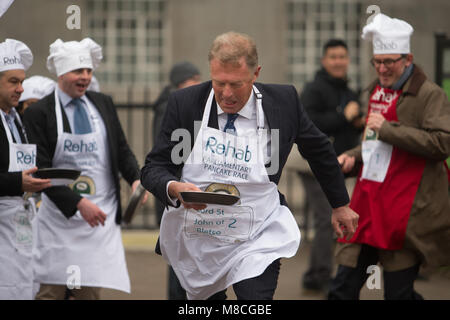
[(384, 207)]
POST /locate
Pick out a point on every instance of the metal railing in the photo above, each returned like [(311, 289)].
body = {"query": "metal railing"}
[(136, 121), (442, 45)]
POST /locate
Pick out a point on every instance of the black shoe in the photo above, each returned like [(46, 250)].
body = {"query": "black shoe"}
[(316, 286)]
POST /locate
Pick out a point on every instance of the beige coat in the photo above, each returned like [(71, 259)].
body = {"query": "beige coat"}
[(423, 128)]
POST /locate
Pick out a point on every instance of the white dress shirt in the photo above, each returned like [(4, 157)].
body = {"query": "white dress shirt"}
[(245, 124), (10, 118), (246, 121), (69, 108), (95, 119)]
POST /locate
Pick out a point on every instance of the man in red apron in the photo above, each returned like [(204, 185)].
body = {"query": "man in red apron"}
[(401, 192)]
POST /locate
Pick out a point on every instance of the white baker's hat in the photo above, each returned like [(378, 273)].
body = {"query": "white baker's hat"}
[(37, 87), (15, 54), (94, 85), (388, 35), (71, 55), (4, 5)]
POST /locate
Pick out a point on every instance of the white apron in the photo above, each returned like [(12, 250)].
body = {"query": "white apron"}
[(65, 245), (16, 238), (214, 248)]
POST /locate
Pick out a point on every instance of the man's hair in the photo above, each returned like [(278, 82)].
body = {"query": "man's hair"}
[(332, 43), (230, 47)]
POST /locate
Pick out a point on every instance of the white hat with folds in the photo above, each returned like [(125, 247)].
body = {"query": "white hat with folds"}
[(15, 54), (4, 5), (388, 35), (37, 87), (94, 85), (72, 55)]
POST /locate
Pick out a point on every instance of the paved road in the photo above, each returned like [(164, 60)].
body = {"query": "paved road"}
[(148, 274)]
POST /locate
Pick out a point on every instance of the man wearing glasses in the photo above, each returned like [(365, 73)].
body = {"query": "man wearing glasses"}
[(401, 192)]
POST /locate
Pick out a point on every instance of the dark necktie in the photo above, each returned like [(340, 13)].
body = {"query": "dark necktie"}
[(80, 117), (229, 126)]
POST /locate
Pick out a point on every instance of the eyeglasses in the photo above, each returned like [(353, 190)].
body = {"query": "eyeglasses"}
[(387, 62)]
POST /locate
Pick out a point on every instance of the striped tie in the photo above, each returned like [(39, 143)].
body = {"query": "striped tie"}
[(229, 126), (13, 127)]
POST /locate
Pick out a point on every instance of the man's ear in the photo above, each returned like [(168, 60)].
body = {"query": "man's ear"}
[(256, 74), (409, 59)]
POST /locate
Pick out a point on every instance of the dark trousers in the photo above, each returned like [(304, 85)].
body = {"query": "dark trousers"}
[(261, 287), (175, 290), (398, 285), (321, 258)]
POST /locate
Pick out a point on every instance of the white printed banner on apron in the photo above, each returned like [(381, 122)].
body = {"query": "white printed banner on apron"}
[(226, 223), (376, 157), (22, 223)]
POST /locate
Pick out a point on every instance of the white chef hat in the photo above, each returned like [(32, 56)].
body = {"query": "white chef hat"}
[(4, 5), (388, 35), (15, 54), (37, 87), (71, 55), (94, 85)]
